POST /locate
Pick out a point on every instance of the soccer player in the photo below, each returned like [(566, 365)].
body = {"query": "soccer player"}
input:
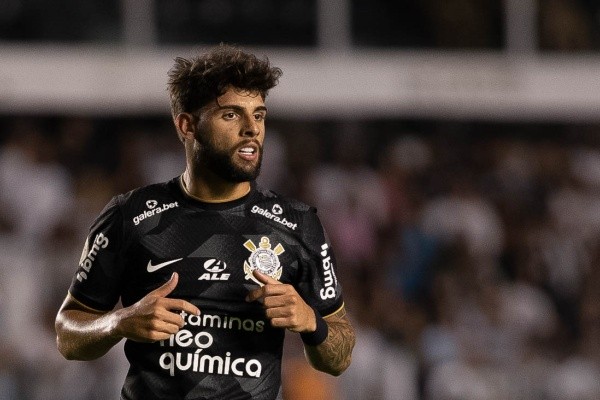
[(210, 268)]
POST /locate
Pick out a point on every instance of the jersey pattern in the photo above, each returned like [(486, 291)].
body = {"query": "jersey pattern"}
[(229, 351)]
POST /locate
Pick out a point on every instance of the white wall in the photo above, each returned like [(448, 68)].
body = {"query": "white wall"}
[(357, 84)]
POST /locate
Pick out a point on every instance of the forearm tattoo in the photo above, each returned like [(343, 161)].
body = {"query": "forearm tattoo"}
[(335, 353)]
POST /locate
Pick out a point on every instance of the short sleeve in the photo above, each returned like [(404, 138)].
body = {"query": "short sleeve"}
[(319, 285), (96, 283)]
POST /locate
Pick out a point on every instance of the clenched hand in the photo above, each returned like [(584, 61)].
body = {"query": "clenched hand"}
[(283, 305), (155, 317)]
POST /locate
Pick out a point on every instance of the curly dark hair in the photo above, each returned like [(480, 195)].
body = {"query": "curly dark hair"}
[(195, 82)]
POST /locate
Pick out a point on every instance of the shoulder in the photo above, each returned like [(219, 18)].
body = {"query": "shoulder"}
[(292, 213), (145, 193), (149, 196), (147, 201), (266, 196)]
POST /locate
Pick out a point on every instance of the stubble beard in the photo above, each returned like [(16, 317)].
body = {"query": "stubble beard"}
[(207, 157)]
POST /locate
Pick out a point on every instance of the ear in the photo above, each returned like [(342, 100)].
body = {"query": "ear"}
[(185, 125)]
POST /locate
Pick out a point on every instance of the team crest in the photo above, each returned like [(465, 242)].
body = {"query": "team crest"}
[(263, 258)]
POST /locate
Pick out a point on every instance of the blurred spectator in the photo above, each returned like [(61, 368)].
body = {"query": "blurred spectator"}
[(577, 378), (380, 369), (37, 190), (351, 199), (464, 214), (275, 170)]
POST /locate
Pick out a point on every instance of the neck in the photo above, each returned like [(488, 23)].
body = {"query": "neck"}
[(212, 191)]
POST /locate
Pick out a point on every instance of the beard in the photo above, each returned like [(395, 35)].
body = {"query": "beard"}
[(220, 162)]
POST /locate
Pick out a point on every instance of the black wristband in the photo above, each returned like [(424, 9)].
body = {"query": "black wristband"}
[(319, 335)]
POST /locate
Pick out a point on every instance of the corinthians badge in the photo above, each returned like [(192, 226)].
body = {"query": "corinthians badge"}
[(263, 258)]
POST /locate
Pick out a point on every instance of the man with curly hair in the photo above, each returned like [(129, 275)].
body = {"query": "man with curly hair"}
[(211, 269)]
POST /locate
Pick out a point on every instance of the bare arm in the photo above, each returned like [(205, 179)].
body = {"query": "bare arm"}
[(334, 355), (83, 333)]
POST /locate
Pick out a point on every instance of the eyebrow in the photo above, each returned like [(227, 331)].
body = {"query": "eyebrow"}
[(239, 108)]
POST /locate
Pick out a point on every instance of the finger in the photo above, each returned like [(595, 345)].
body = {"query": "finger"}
[(256, 294), (164, 327), (277, 301), (278, 312), (180, 305), (281, 323), (169, 318), (268, 290), (265, 279), (158, 332), (167, 288)]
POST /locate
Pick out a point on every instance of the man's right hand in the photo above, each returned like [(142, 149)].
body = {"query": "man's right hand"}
[(83, 333), (155, 317)]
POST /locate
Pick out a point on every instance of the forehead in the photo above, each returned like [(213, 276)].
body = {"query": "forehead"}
[(240, 98)]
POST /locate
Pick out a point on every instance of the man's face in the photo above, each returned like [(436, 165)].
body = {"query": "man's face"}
[(230, 136)]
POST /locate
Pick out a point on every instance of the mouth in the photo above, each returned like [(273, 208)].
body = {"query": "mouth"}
[(248, 152)]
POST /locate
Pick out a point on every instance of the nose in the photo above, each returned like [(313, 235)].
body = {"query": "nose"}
[(251, 127)]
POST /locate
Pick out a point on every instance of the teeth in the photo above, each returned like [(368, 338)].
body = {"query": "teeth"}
[(248, 150)]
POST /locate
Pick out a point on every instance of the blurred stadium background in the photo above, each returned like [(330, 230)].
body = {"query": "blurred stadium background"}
[(451, 146)]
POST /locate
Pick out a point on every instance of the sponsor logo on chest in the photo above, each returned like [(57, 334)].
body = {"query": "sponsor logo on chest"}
[(274, 215), (214, 271), (154, 209), (262, 257)]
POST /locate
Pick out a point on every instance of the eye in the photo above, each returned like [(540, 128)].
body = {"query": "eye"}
[(259, 117), (229, 115)]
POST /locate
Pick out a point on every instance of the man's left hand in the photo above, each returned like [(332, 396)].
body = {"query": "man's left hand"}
[(283, 305)]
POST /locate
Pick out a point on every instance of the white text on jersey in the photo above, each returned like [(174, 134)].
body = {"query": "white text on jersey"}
[(214, 268), (268, 214), (100, 242), (327, 292), (152, 212)]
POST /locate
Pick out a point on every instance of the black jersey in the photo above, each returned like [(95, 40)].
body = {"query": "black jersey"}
[(230, 351)]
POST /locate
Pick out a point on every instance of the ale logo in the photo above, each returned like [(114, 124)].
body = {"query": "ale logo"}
[(214, 270)]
